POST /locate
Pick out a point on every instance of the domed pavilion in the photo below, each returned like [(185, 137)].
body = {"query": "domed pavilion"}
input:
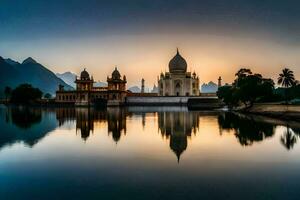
[(86, 93), (178, 82)]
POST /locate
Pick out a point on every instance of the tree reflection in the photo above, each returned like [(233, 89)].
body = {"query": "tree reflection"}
[(17, 122), (289, 138), (25, 117), (247, 130)]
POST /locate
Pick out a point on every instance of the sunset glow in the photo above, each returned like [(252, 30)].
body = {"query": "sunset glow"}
[(215, 40)]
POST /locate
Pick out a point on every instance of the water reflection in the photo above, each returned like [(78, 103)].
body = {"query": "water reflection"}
[(24, 117), (177, 127), (86, 118), (246, 129), (30, 125), (75, 149), (27, 125), (249, 129), (289, 138)]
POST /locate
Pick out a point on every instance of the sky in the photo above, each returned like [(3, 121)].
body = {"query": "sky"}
[(216, 37)]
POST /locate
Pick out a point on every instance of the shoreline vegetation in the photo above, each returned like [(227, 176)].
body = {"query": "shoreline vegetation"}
[(251, 93)]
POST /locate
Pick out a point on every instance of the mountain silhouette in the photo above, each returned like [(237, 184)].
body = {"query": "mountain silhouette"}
[(210, 87), (70, 77), (29, 71), (67, 77), (134, 89)]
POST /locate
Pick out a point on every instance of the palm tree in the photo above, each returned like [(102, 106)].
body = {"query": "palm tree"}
[(286, 79)]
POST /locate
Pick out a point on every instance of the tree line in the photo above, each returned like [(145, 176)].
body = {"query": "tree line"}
[(249, 87), (24, 94)]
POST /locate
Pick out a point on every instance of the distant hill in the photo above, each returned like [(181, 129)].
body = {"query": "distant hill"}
[(67, 77), (100, 84), (210, 87), (70, 77), (134, 89), (29, 71), (154, 89)]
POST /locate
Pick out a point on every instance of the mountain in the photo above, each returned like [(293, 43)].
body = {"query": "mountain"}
[(11, 62), (100, 84), (70, 77), (9, 74), (134, 89), (29, 71), (28, 60), (210, 87), (67, 77), (154, 89)]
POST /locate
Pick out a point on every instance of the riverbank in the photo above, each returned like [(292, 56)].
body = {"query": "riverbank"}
[(275, 110)]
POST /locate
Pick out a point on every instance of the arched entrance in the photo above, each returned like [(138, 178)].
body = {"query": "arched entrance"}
[(177, 89)]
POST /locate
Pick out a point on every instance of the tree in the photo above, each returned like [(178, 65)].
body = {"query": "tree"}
[(247, 88), (226, 93), (25, 94), (47, 96), (242, 73), (250, 87), (286, 79), (7, 92)]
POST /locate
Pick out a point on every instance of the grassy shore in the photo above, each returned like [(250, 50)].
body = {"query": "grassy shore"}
[(276, 110)]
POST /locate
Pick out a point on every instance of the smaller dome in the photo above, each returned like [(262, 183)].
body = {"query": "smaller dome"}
[(84, 75), (116, 74)]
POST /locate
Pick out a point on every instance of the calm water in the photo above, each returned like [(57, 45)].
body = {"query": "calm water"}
[(146, 153)]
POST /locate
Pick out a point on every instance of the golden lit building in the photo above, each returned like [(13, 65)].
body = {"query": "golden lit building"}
[(178, 82), (116, 90), (86, 94)]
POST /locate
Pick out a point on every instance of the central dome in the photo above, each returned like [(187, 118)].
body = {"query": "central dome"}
[(177, 64)]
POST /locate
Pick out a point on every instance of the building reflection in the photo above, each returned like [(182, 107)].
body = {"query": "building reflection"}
[(177, 127), (86, 118), (116, 119)]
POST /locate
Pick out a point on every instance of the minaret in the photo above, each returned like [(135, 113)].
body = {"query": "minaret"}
[(220, 82), (143, 86)]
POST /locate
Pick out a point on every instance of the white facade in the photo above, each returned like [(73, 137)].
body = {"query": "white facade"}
[(178, 82)]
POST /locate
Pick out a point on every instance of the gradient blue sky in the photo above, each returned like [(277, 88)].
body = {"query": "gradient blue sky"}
[(140, 36)]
